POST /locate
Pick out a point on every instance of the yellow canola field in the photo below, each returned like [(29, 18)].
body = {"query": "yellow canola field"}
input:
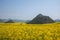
[(23, 31)]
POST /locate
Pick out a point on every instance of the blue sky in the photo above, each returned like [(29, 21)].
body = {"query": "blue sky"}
[(28, 9)]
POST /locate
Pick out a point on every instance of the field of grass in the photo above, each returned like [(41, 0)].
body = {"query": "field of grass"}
[(23, 31)]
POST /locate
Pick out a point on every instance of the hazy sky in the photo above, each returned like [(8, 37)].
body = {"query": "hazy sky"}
[(28, 9)]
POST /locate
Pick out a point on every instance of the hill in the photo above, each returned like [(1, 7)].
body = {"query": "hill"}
[(41, 19)]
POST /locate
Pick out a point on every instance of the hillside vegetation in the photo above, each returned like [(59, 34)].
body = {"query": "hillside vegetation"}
[(23, 31)]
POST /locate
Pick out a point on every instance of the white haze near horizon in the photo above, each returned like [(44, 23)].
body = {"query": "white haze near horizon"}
[(28, 9)]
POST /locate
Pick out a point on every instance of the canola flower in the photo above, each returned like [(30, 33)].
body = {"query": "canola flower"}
[(23, 31)]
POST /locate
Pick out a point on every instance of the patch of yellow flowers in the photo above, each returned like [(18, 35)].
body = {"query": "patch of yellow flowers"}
[(23, 31)]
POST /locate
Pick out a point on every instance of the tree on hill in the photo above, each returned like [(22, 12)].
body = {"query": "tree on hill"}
[(41, 19)]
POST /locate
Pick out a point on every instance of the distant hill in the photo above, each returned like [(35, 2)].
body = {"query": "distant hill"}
[(57, 20), (21, 20), (9, 21), (41, 19), (16, 20), (1, 20)]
